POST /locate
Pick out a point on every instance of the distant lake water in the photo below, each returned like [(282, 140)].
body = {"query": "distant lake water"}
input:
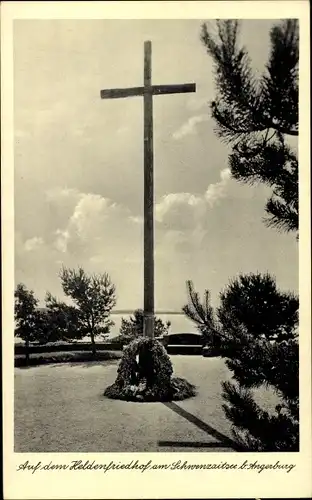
[(179, 323)]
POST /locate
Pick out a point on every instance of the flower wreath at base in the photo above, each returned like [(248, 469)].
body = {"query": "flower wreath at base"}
[(145, 374)]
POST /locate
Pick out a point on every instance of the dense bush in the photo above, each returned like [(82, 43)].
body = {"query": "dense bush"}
[(145, 374), (132, 328), (255, 329)]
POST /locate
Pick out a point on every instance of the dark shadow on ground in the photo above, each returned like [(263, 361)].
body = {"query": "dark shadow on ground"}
[(190, 444), (224, 440)]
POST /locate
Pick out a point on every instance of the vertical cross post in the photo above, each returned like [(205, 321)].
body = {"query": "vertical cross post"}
[(148, 322)]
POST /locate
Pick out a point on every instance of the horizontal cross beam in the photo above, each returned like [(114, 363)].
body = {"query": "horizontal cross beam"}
[(117, 93), (173, 89), (153, 89)]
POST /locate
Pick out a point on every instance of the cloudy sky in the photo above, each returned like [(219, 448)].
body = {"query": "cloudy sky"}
[(79, 164)]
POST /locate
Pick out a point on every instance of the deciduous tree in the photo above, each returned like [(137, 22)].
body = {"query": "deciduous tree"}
[(61, 321), (94, 297), (26, 316)]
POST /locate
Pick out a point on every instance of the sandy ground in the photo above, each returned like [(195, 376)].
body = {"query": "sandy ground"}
[(61, 408)]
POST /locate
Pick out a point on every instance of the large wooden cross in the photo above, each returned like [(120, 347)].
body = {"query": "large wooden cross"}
[(147, 91)]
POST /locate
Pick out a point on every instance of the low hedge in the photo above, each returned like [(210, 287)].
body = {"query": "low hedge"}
[(66, 357), (65, 347)]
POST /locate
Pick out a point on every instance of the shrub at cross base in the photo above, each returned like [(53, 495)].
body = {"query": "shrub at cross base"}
[(132, 328), (145, 374)]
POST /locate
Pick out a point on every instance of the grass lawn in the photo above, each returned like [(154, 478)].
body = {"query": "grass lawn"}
[(61, 408)]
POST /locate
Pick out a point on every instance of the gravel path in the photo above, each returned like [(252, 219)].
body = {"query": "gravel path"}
[(61, 408)]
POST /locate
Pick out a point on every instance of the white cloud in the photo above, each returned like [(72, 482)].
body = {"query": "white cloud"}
[(137, 219), (218, 190), (58, 193), (63, 197), (61, 240), (184, 210), (84, 216), (61, 203), (174, 202), (98, 231), (33, 243), (178, 211), (189, 128), (101, 235), (93, 216)]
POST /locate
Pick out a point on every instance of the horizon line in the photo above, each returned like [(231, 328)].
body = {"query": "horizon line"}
[(131, 311)]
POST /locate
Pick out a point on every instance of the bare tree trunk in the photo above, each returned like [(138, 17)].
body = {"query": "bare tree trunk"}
[(93, 343), (27, 351)]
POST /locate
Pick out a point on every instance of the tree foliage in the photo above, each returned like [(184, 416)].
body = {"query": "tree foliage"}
[(26, 316), (132, 328), (61, 321), (201, 313), (256, 115), (255, 329), (93, 297), (253, 302)]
